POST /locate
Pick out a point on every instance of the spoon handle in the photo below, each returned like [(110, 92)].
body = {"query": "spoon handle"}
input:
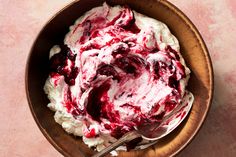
[(127, 137)]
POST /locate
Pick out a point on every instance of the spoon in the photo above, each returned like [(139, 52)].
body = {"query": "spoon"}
[(153, 132)]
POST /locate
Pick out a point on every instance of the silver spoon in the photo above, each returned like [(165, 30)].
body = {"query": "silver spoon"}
[(155, 131)]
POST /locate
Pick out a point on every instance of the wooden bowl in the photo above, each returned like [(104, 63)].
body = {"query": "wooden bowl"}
[(193, 50)]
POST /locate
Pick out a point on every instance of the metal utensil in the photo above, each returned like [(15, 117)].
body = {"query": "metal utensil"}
[(153, 131)]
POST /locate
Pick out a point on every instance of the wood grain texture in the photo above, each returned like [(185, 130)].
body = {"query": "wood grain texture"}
[(192, 47)]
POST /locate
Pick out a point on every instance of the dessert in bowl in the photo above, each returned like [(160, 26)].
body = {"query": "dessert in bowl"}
[(112, 72)]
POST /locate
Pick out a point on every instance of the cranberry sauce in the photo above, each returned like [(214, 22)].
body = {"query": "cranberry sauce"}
[(91, 133), (59, 63), (108, 70), (131, 64), (71, 105), (97, 99)]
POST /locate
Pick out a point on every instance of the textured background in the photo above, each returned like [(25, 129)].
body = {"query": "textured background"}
[(20, 21)]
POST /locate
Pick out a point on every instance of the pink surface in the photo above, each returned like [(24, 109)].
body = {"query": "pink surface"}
[(20, 21)]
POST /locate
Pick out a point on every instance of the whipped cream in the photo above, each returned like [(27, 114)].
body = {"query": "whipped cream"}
[(117, 69)]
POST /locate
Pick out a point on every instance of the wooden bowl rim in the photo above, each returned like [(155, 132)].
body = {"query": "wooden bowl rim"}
[(195, 31)]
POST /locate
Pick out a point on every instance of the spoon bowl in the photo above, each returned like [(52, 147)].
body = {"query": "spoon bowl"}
[(168, 124), (153, 132)]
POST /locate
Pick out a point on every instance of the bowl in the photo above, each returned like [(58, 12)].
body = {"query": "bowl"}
[(193, 50)]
